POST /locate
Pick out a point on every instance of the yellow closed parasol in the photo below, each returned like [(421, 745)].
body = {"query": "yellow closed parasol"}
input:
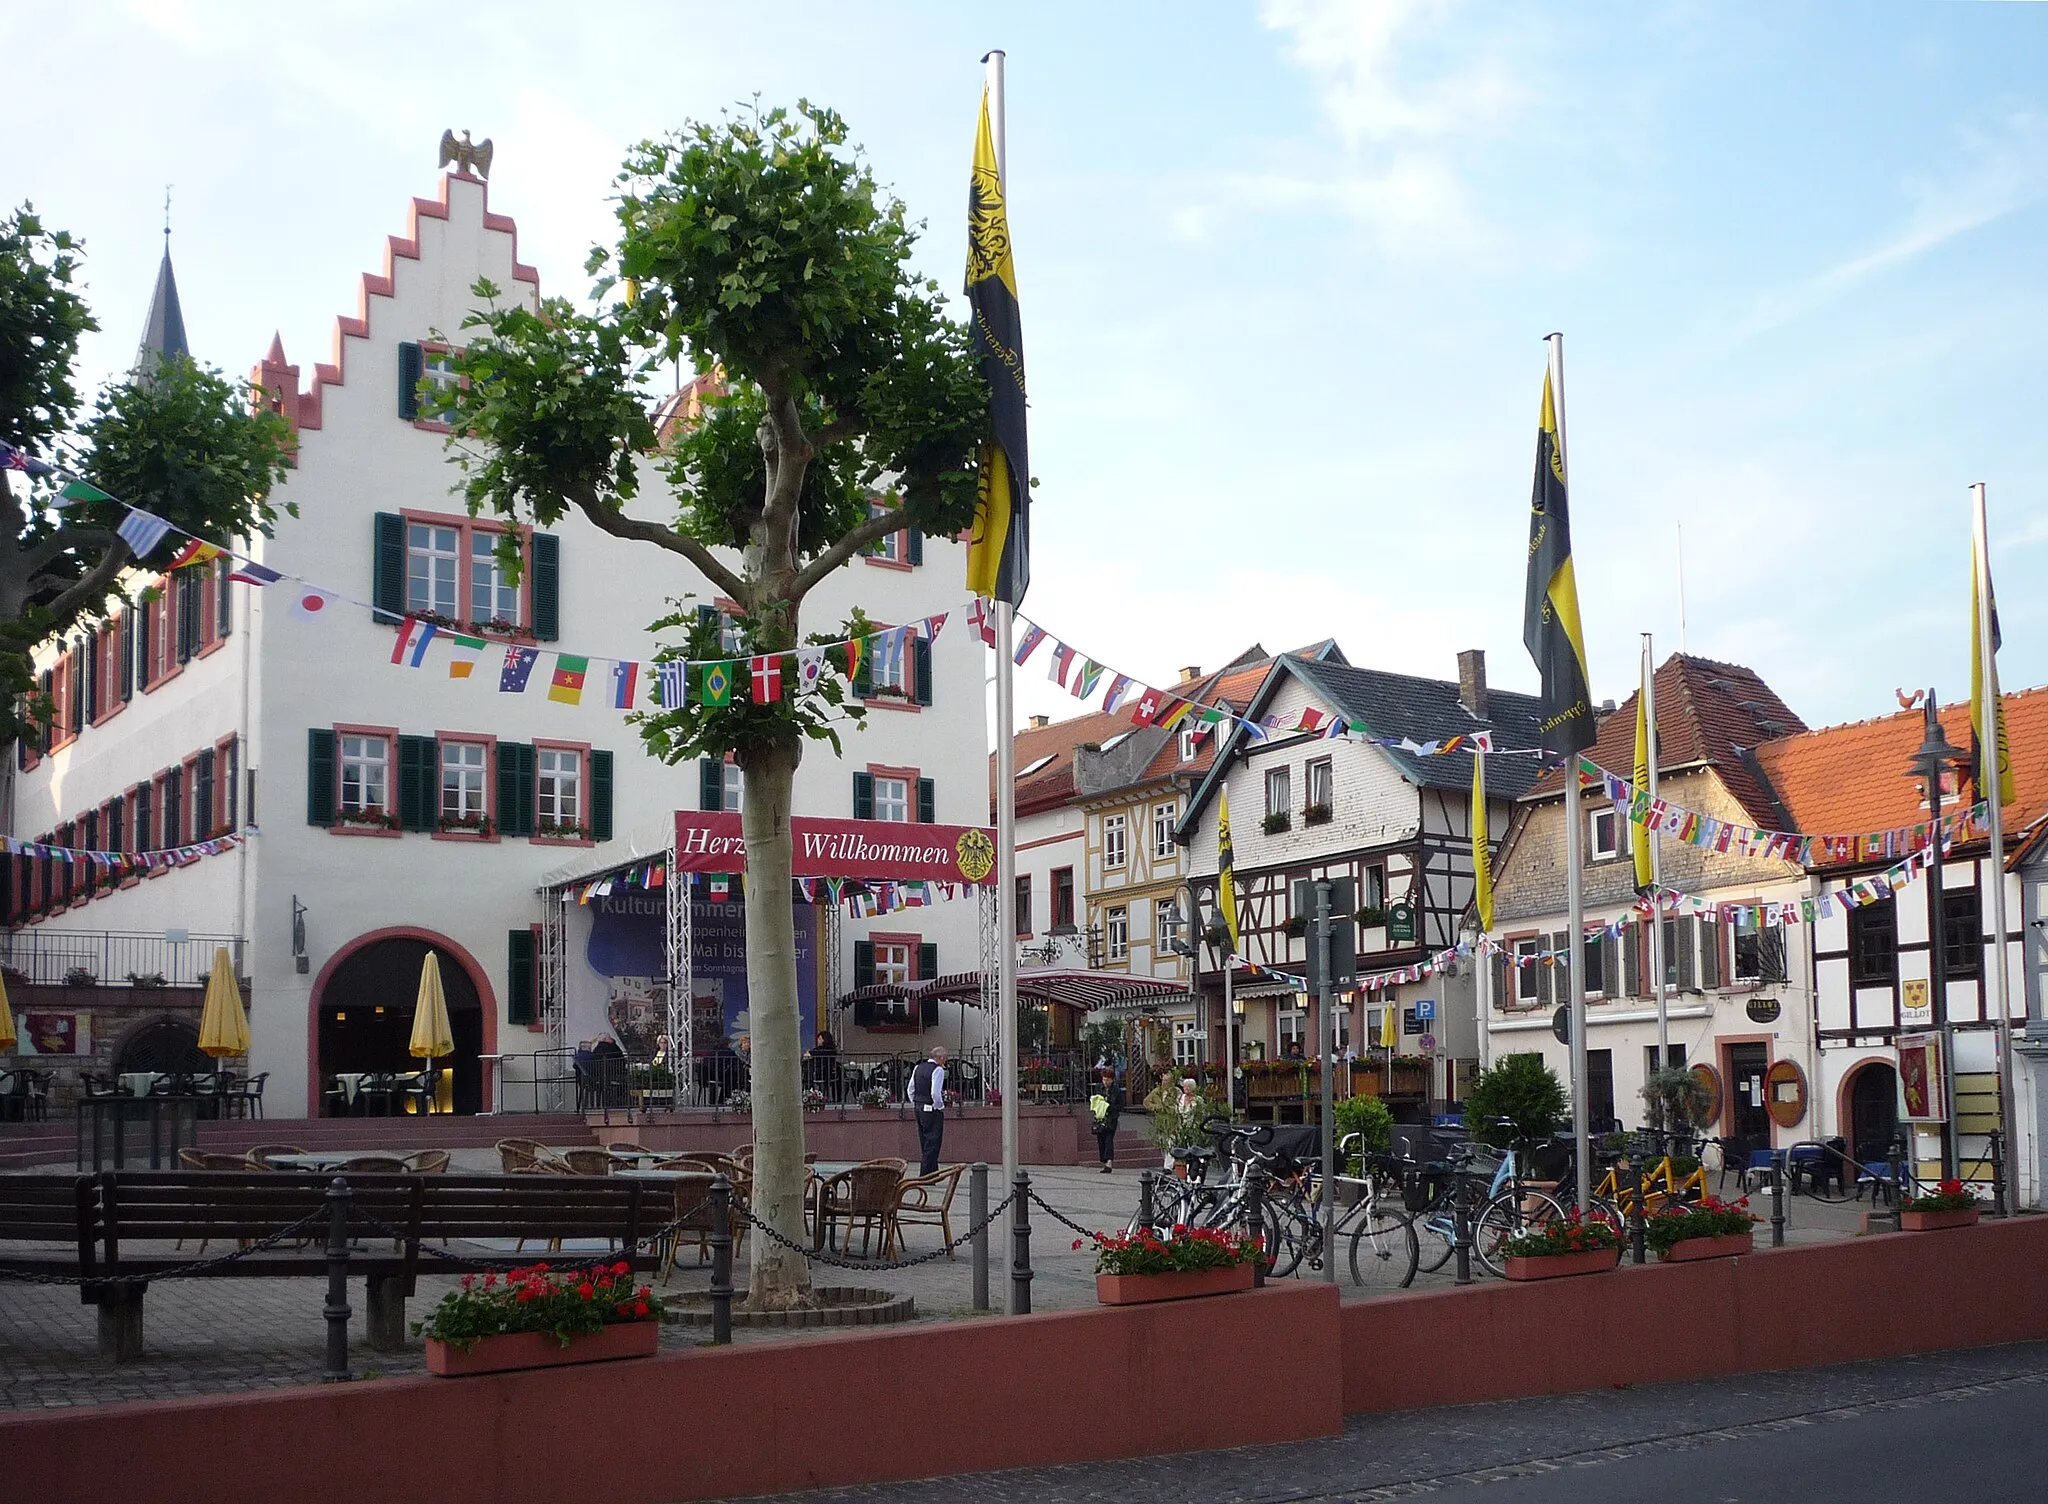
[(431, 1035), (223, 1026), (7, 1035)]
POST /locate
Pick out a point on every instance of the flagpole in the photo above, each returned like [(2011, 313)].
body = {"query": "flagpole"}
[(1992, 755), (1656, 860), (1006, 785), (1574, 875), (1229, 1035)]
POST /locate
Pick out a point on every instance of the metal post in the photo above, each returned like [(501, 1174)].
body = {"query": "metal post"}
[(1325, 1011), (1461, 1224), (1145, 1206), (1020, 1246), (721, 1259), (1937, 954), (1999, 1208), (1777, 1206), (337, 1311), (1638, 1215), (1649, 693), (1898, 1188), (977, 1214), (1255, 1218)]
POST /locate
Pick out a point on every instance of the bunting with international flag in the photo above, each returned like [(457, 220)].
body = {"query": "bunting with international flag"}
[(195, 552), (1550, 607), (566, 688), (999, 548), (715, 688), (1987, 710), (463, 653), (625, 680)]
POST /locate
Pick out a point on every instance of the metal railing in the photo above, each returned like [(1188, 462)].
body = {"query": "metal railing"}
[(51, 957)]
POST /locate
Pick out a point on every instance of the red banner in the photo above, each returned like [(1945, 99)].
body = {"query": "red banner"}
[(887, 849)]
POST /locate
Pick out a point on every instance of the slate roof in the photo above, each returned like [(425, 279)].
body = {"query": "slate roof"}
[(1054, 783), (1849, 780), (163, 336), (1707, 712)]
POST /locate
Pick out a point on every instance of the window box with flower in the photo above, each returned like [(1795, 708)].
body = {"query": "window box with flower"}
[(1276, 822), (369, 817), (1949, 1204), (1567, 1245), (465, 825), (1138, 1267), (539, 1317), (1316, 814), (561, 830), (497, 626), (1704, 1229)]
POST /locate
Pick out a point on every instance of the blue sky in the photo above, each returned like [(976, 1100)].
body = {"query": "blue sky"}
[(1286, 270)]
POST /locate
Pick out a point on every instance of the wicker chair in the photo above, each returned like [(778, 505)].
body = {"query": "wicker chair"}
[(260, 1157), (200, 1159), (520, 1155), (927, 1200), (428, 1162), (587, 1161), (865, 1194), (372, 1164), (691, 1209)]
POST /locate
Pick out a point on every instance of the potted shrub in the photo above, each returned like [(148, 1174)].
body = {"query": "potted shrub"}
[(1297, 926), (1134, 1267), (1516, 1100), (538, 1317), (80, 976), (1950, 1204), (1568, 1245), (1702, 1229), (872, 1096)]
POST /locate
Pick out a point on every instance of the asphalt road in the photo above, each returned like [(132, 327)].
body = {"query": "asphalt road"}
[(1921, 1430)]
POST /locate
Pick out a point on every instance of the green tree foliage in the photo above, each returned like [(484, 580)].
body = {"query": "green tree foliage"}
[(758, 251), (1516, 1101), (1371, 1119), (176, 439)]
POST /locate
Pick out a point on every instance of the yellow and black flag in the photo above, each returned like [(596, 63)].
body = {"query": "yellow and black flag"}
[(1985, 703), (1226, 869), (999, 553), (1550, 609)]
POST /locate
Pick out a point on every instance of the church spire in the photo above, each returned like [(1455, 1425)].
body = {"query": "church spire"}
[(163, 337)]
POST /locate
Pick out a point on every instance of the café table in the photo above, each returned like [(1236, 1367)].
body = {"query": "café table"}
[(325, 1159), (139, 1083)]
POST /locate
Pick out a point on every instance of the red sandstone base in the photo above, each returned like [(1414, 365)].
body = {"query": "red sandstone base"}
[(624, 1339), (1558, 1265), (1709, 1248), (1184, 1284), (1934, 1221)]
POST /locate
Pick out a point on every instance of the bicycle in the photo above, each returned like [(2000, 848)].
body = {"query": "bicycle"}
[(1662, 1182), (1497, 1206)]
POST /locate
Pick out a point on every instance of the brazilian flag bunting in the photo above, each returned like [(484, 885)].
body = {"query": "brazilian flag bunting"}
[(1550, 608), (999, 552)]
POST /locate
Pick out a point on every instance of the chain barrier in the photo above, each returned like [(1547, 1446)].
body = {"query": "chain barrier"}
[(1060, 1217), (176, 1271), (821, 1256)]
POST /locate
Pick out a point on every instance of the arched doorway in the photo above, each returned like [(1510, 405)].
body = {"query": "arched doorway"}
[(166, 1045), (1873, 1092), (364, 1005)]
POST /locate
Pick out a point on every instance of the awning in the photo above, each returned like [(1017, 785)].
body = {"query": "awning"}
[(613, 856), (1070, 987)]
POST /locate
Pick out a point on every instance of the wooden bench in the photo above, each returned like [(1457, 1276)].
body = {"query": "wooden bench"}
[(390, 1218)]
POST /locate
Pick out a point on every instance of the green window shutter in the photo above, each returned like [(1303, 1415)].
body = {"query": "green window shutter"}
[(92, 675), (710, 784), (913, 546), (1632, 961), (1710, 952), (127, 651), (409, 370), (520, 999), (928, 1012), (1684, 950), (927, 961), (863, 963), (921, 670), (319, 777), (202, 796), (547, 587), (387, 567), (516, 764), (927, 802), (224, 605), (863, 796), (601, 796), (419, 783), (140, 636)]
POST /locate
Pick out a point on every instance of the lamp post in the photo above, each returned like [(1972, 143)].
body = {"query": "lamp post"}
[(1936, 757), (1186, 925)]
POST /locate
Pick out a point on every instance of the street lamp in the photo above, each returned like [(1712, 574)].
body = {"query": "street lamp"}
[(1936, 758)]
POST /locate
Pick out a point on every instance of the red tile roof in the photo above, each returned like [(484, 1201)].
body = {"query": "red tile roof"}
[(1054, 783), (1707, 712), (1849, 780)]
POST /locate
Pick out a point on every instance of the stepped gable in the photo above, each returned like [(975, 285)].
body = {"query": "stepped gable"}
[(1709, 714), (279, 380), (1851, 779)]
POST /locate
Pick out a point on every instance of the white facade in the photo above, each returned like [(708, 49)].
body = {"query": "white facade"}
[(277, 678)]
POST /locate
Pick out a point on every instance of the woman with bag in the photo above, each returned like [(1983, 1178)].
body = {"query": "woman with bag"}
[(1107, 1104)]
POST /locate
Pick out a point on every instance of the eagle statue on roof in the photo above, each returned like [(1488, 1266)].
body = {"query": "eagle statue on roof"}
[(467, 156)]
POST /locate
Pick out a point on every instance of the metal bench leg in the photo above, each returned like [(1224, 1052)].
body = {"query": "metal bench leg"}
[(120, 1322), (384, 1313)]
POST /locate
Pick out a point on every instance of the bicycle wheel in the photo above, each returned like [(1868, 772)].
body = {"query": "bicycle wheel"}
[(1438, 1235), (1506, 1216), (1287, 1238), (1383, 1250)]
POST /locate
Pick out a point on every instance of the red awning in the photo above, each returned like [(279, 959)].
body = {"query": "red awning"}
[(1070, 987)]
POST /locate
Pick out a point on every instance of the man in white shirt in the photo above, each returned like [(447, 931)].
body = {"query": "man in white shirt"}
[(928, 1101)]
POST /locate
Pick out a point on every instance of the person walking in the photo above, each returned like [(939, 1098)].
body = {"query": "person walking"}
[(928, 1101), (1108, 1104)]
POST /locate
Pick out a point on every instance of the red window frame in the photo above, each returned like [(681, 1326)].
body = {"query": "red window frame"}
[(465, 528), (472, 739)]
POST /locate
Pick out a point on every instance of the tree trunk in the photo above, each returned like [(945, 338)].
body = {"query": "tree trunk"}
[(779, 1278)]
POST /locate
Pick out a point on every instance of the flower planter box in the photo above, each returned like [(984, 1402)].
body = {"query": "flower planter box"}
[(625, 1339), (1185, 1284), (1559, 1265), (1935, 1221), (1686, 1249)]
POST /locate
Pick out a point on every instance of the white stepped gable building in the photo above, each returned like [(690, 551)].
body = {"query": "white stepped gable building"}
[(397, 810)]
